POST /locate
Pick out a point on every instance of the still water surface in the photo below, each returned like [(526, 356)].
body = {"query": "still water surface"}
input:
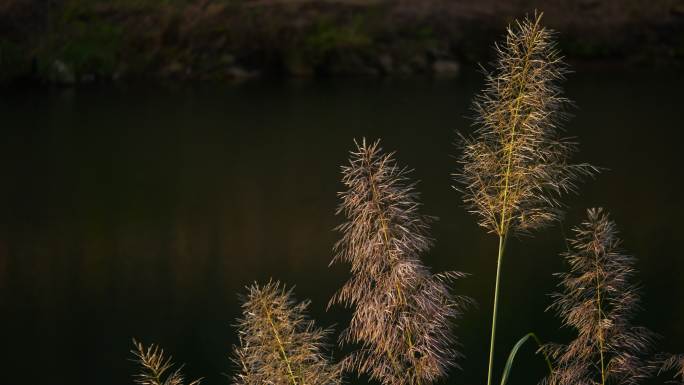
[(142, 211)]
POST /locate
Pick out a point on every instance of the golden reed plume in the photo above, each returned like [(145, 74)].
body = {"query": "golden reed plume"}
[(517, 166), (279, 344)]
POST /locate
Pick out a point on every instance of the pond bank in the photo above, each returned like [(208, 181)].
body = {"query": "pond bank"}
[(80, 41)]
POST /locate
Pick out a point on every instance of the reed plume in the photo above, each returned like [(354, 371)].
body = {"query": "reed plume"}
[(155, 368), (279, 344), (403, 314), (516, 167), (598, 300)]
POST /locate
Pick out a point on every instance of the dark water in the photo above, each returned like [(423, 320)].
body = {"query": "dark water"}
[(143, 211)]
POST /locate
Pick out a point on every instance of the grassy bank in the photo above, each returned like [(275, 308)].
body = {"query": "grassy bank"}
[(70, 41)]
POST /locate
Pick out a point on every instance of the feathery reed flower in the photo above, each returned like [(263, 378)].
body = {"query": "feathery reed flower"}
[(279, 344), (598, 300), (403, 314), (516, 167), (155, 368)]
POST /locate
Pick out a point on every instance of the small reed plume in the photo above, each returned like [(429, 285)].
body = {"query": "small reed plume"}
[(598, 300), (516, 167), (279, 344), (403, 315), (155, 369)]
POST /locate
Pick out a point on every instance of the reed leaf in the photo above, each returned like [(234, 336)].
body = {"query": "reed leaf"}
[(403, 314), (511, 356), (598, 300), (279, 344), (155, 368)]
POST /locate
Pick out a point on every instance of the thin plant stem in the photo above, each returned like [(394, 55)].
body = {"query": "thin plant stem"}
[(502, 244), (385, 242), (503, 227), (600, 328), (385, 235), (280, 345)]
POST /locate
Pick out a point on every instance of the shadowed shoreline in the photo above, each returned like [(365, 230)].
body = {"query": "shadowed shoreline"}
[(77, 41)]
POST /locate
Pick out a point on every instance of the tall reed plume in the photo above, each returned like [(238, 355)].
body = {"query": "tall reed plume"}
[(279, 344), (403, 315), (598, 300), (155, 368), (516, 167)]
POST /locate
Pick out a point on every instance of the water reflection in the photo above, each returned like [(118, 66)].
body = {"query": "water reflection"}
[(142, 211)]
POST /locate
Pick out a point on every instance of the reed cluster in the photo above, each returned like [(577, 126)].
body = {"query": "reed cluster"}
[(403, 314), (513, 173)]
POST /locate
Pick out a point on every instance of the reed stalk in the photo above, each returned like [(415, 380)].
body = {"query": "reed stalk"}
[(516, 166)]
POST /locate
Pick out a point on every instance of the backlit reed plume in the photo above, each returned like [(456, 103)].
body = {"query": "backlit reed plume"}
[(155, 368), (598, 300), (279, 344), (516, 166), (403, 315)]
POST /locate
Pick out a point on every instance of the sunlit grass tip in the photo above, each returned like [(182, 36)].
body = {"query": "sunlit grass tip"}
[(279, 343), (155, 368)]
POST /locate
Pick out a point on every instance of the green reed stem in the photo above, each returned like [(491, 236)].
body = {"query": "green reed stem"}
[(600, 326), (280, 344), (502, 244)]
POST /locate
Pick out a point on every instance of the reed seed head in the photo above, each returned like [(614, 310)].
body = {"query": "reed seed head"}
[(155, 368), (598, 300), (279, 344), (403, 314), (516, 167)]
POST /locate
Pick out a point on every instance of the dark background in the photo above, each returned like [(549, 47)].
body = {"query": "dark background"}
[(158, 156), (141, 211)]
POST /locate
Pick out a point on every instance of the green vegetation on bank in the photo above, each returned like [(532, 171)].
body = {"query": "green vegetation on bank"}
[(68, 41)]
